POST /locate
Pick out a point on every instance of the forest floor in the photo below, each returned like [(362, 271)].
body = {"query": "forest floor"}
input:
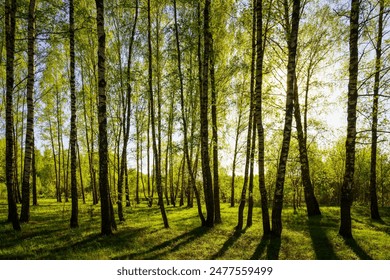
[(142, 235)]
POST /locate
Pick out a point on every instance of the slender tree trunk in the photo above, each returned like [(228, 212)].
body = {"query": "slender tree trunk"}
[(16, 191), (158, 89), (217, 207), (66, 169), (374, 128), (10, 15), (346, 189), (169, 155), (204, 123), (93, 101), (232, 186), (184, 121), (34, 179), (58, 190), (126, 119), (80, 173), (312, 206), (107, 223), (292, 39), (74, 223), (260, 49), (29, 144), (87, 139), (173, 192), (156, 154), (58, 140), (241, 207), (150, 187), (249, 220), (138, 147), (19, 181), (127, 190), (305, 109)]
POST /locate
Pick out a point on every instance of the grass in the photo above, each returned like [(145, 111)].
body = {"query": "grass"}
[(142, 236)]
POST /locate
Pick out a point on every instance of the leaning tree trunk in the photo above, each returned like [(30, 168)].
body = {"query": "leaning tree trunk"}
[(107, 223), (346, 189), (292, 39), (74, 223), (29, 145), (374, 128), (312, 206), (10, 15)]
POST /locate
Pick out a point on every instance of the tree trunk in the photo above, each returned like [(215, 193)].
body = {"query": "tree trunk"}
[(80, 173), (217, 207), (204, 123), (58, 141), (10, 15), (346, 189), (74, 223), (232, 186), (158, 90), (127, 190), (17, 182), (107, 223), (150, 187), (66, 169), (137, 140), (169, 155), (126, 119), (34, 179), (292, 39), (184, 121), (312, 206), (374, 128), (87, 139), (29, 144), (260, 49), (241, 207), (58, 190), (249, 220), (156, 154)]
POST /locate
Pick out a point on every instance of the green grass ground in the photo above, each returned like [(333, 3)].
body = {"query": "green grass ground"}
[(142, 236)]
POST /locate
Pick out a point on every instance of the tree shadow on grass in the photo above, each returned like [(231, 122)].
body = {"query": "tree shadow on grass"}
[(323, 248), (172, 245), (232, 239), (270, 245), (351, 243), (92, 243), (15, 238)]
